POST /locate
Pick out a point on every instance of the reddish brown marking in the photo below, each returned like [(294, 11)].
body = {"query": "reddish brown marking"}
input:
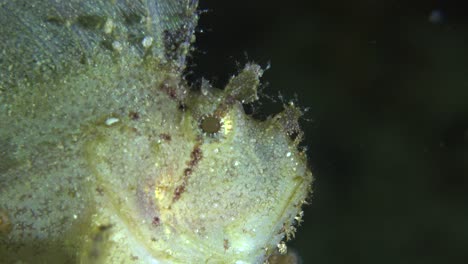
[(195, 157), (165, 136), (226, 244), (187, 172), (169, 90), (178, 191), (134, 115), (100, 190), (156, 221), (172, 93)]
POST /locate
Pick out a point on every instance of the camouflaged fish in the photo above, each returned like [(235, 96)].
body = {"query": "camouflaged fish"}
[(108, 156)]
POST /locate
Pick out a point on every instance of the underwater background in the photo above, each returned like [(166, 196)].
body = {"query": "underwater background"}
[(386, 85)]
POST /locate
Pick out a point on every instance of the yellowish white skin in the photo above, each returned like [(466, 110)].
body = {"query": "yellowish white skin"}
[(244, 188), (103, 187)]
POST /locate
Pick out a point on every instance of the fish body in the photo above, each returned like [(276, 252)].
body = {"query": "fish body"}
[(107, 156)]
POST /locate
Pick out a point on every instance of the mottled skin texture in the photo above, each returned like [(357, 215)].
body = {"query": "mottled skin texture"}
[(103, 157)]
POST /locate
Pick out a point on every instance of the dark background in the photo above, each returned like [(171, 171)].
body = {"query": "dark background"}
[(387, 128)]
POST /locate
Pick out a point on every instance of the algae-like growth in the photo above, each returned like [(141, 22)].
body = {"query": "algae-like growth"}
[(107, 156)]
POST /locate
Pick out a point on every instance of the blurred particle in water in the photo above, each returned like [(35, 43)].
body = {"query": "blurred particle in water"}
[(436, 16)]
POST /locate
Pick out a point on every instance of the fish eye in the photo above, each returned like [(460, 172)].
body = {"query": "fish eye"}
[(211, 125)]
